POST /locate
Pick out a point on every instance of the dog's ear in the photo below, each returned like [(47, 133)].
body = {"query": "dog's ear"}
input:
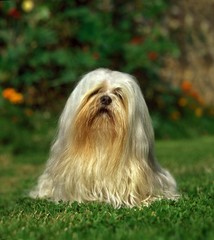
[(142, 132)]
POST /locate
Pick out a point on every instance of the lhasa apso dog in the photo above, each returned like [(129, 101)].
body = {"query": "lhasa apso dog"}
[(104, 150)]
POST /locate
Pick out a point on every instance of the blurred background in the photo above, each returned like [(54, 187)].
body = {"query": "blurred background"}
[(46, 46)]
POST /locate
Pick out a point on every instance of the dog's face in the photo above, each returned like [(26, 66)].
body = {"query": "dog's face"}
[(102, 114)]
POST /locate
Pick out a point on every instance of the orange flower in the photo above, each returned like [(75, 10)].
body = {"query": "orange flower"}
[(16, 98), (186, 86), (12, 95), (8, 92)]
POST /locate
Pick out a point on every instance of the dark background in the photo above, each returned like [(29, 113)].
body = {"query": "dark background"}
[(46, 46)]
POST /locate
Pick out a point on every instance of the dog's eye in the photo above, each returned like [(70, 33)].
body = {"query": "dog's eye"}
[(94, 93), (118, 93)]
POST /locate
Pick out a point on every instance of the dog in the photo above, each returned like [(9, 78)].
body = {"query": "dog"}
[(104, 149)]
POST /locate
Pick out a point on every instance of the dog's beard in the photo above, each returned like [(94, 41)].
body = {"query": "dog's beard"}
[(101, 130), (100, 142)]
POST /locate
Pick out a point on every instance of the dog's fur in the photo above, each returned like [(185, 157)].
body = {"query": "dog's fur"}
[(104, 150)]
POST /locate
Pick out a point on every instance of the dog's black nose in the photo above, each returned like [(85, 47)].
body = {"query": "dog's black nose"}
[(105, 100)]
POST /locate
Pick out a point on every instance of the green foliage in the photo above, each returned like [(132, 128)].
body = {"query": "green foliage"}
[(46, 46), (191, 217), (21, 133), (57, 42)]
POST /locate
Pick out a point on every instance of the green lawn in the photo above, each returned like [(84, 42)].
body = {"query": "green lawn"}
[(191, 217)]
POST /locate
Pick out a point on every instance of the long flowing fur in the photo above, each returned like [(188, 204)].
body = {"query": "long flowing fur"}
[(105, 152)]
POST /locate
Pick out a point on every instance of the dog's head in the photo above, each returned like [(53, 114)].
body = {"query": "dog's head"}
[(107, 105), (103, 107)]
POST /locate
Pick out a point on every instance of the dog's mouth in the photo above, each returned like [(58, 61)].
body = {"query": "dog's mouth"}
[(102, 113), (103, 110)]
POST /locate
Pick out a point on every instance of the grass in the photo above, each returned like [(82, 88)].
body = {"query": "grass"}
[(191, 217)]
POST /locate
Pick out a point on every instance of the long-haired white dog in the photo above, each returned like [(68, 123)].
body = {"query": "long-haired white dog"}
[(104, 150)]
